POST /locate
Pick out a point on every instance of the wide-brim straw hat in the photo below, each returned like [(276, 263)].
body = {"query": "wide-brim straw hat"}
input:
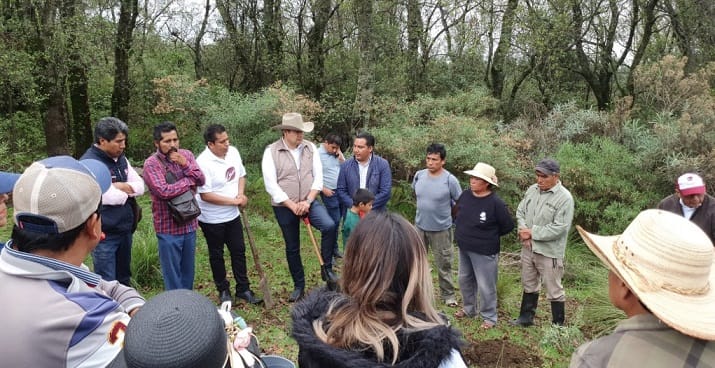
[(667, 261), (485, 172), (294, 121)]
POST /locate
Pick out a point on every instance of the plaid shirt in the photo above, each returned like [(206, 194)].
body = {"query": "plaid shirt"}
[(187, 178), (644, 341)]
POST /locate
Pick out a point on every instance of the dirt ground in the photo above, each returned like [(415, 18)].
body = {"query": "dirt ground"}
[(499, 353)]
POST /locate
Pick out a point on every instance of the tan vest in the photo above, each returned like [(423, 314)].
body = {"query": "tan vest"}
[(296, 184)]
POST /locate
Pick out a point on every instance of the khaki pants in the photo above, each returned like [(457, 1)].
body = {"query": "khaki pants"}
[(441, 244), (536, 268)]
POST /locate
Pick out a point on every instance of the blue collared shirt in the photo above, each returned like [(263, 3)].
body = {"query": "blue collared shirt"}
[(331, 168)]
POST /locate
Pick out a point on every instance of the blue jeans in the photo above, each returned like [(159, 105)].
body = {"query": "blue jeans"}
[(290, 227), (112, 258), (231, 234), (176, 255), (336, 211)]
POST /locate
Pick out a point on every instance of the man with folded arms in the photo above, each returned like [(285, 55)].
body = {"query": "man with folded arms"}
[(113, 256), (56, 313), (661, 276)]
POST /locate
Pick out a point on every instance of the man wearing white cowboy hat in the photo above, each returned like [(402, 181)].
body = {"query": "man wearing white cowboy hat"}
[(661, 275), (692, 201), (293, 176), (544, 217)]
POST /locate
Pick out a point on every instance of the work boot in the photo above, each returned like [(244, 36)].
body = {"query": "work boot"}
[(330, 278), (527, 310), (248, 296), (296, 295), (224, 295), (557, 313)]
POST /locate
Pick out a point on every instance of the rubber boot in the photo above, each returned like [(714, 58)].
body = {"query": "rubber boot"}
[(330, 278), (558, 315), (527, 310)]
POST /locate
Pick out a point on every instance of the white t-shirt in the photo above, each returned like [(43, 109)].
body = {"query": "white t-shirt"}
[(222, 176)]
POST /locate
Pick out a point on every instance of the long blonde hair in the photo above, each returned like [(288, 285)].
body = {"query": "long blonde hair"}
[(385, 281)]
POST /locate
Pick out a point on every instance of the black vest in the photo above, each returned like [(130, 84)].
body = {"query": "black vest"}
[(115, 219)]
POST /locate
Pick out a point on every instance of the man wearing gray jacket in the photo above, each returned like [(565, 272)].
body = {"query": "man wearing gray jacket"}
[(544, 217)]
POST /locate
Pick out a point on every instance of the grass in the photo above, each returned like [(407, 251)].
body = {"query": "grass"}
[(589, 313)]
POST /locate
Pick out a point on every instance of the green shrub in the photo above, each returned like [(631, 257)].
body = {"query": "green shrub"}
[(25, 141), (607, 183)]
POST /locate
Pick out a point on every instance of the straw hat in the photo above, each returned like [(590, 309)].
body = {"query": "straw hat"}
[(484, 171), (294, 121), (667, 261)]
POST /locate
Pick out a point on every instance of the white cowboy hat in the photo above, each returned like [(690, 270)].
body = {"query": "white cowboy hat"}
[(485, 172), (294, 121), (667, 261)]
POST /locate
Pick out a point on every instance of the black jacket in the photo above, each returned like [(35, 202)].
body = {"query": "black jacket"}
[(419, 349), (704, 216)]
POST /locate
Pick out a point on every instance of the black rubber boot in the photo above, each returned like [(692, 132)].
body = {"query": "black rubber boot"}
[(527, 310), (558, 314), (330, 278)]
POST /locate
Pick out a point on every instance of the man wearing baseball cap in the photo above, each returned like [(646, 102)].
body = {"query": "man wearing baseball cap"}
[(544, 217), (661, 276), (692, 201), (56, 313), (7, 182)]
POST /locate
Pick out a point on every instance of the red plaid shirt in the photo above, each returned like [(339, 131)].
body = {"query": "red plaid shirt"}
[(187, 178)]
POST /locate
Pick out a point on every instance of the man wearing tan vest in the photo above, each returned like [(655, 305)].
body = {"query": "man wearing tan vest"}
[(293, 176)]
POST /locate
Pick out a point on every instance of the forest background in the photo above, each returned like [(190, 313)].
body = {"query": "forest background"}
[(619, 91)]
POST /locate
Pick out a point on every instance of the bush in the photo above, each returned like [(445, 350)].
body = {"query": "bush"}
[(607, 183), (25, 143)]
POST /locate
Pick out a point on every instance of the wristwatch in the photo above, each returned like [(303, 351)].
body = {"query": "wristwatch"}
[(310, 201)]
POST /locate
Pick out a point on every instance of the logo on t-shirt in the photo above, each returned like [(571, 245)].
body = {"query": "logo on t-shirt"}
[(230, 174)]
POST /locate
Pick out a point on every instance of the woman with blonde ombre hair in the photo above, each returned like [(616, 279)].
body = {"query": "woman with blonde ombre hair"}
[(384, 314)]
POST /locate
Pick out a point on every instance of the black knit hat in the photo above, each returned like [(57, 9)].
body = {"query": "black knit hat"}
[(177, 329)]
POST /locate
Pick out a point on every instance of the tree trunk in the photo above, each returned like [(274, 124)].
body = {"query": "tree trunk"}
[(81, 122), (498, 61), (366, 79), (315, 80), (649, 22), (414, 35), (128, 11), (272, 32), (198, 56), (55, 120)]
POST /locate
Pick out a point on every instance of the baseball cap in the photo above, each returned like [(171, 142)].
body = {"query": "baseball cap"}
[(7, 181), (59, 193), (689, 184), (548, 166)]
